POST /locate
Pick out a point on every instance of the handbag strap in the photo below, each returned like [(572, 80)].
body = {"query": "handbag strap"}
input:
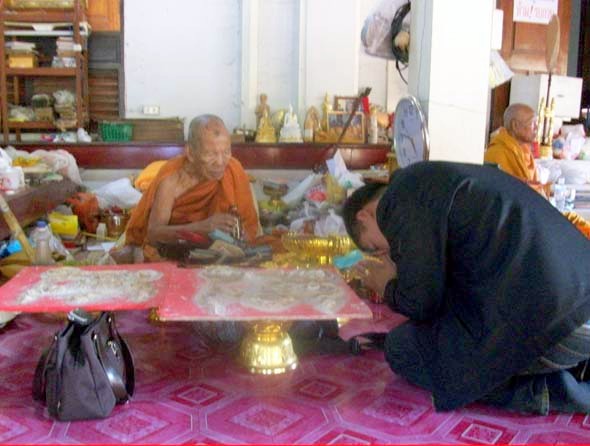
[(127, 358), (115, 378)]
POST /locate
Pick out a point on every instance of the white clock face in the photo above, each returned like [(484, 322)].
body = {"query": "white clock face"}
[(410, 134)]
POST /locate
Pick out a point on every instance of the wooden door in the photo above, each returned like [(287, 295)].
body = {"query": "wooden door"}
[(523, 48), (104, 15), (584, 52), (523, 44)]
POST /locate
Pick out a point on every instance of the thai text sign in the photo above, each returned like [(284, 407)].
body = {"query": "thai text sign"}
[(534, 11)]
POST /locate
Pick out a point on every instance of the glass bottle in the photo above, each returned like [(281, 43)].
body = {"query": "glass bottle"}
[(238, 231)]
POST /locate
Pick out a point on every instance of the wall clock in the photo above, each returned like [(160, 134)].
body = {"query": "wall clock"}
[(410, 132)]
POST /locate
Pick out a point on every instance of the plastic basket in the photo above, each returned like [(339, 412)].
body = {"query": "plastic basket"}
[(116, 131)]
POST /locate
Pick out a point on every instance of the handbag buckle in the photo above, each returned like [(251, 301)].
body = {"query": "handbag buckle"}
[(113, 346), (79, 316)]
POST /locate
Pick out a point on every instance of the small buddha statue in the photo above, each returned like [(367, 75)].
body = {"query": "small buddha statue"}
[(290, 132), (265, 132), (311, 124), (261, 108)]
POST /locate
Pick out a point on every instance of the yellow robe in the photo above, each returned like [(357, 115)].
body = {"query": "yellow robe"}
[(512, 157)]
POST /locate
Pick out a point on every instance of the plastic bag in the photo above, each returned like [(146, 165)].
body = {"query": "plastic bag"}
[(62, 162), (85, 206), (64, 97), (119, 193), (346, 179), (330, 224), (376, 34), (295, 195)]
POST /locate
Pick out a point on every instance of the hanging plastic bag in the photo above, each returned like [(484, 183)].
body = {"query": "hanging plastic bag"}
[(376, 35)]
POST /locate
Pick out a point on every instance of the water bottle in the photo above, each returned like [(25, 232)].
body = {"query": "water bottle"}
[(559, 194), (42, 238)]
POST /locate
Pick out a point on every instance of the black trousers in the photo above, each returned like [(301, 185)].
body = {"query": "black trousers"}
[(539, 393)]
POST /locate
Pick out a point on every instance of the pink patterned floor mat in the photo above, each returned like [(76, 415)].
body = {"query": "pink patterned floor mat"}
[(188, 391)]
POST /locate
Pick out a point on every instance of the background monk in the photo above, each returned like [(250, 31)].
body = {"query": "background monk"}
[(511, 147), (511, 150), (195, 191)]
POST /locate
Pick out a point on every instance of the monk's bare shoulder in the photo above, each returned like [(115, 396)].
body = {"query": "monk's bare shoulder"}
[(168, 188)]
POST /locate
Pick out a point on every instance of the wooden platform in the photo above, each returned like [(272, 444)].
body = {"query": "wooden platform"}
[(31, 203)]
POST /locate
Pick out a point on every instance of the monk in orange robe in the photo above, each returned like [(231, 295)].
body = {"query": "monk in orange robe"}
[(511, 150), (511, 147), (194, 192)]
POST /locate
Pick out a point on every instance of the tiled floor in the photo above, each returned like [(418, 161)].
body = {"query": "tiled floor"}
[(191, 391)]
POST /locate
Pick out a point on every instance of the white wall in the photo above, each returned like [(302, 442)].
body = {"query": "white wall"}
[(183, 55), (197, 56), (278, 52), (449, 73)]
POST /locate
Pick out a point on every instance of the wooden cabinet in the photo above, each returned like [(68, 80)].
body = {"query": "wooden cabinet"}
[(104, 15)]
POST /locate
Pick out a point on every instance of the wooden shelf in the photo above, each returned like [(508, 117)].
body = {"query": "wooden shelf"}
[(32, 125), (42, 71), (39, 15), (137, 155), (79, 74)]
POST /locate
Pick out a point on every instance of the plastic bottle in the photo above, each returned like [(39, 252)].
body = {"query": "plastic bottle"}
[(559, 194), (373, 127), (42, 238), (101, 232)]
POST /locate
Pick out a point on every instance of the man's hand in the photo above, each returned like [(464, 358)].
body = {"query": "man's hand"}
[(224, 222), (376, 273)]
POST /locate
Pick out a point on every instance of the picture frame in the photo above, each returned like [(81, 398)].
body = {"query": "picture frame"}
[(344, 103), (355, 132)]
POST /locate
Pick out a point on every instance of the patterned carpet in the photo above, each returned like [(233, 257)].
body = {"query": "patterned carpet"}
[(189, 391)]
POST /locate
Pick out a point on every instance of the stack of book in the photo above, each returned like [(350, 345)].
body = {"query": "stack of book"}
[(66, 52)]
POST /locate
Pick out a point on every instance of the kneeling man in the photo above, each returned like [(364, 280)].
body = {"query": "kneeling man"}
[(494, 280)]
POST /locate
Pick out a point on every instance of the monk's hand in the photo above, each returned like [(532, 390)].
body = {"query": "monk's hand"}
[(223, 222), (375, 273)]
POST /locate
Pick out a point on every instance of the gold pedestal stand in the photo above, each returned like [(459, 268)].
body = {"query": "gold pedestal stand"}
[(267, 349), (154, 317)]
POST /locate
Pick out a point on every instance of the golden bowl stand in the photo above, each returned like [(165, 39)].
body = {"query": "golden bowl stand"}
[(267, 349)]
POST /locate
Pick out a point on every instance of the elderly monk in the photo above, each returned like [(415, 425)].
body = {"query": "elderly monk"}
[(194, 192), (511, 147)]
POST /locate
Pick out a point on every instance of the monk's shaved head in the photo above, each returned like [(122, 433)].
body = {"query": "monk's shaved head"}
[(208, 148), (521, 123), (211, 124), (516, 111)]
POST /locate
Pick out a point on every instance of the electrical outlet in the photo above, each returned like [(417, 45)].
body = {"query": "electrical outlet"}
[(151, 109)]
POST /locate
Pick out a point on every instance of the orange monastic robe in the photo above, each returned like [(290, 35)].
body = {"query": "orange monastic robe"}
[(199, 202), (512, 157)]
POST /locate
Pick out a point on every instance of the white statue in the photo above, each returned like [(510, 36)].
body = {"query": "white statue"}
[(290, 132)]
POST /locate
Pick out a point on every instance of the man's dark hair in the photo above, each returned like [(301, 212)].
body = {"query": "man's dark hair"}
[(358, 200)]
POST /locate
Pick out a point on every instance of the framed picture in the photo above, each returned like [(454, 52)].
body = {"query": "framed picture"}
[(355, 132), (344, 103)]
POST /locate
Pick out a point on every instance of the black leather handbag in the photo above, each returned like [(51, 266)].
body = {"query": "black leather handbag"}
[(86, 370)]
